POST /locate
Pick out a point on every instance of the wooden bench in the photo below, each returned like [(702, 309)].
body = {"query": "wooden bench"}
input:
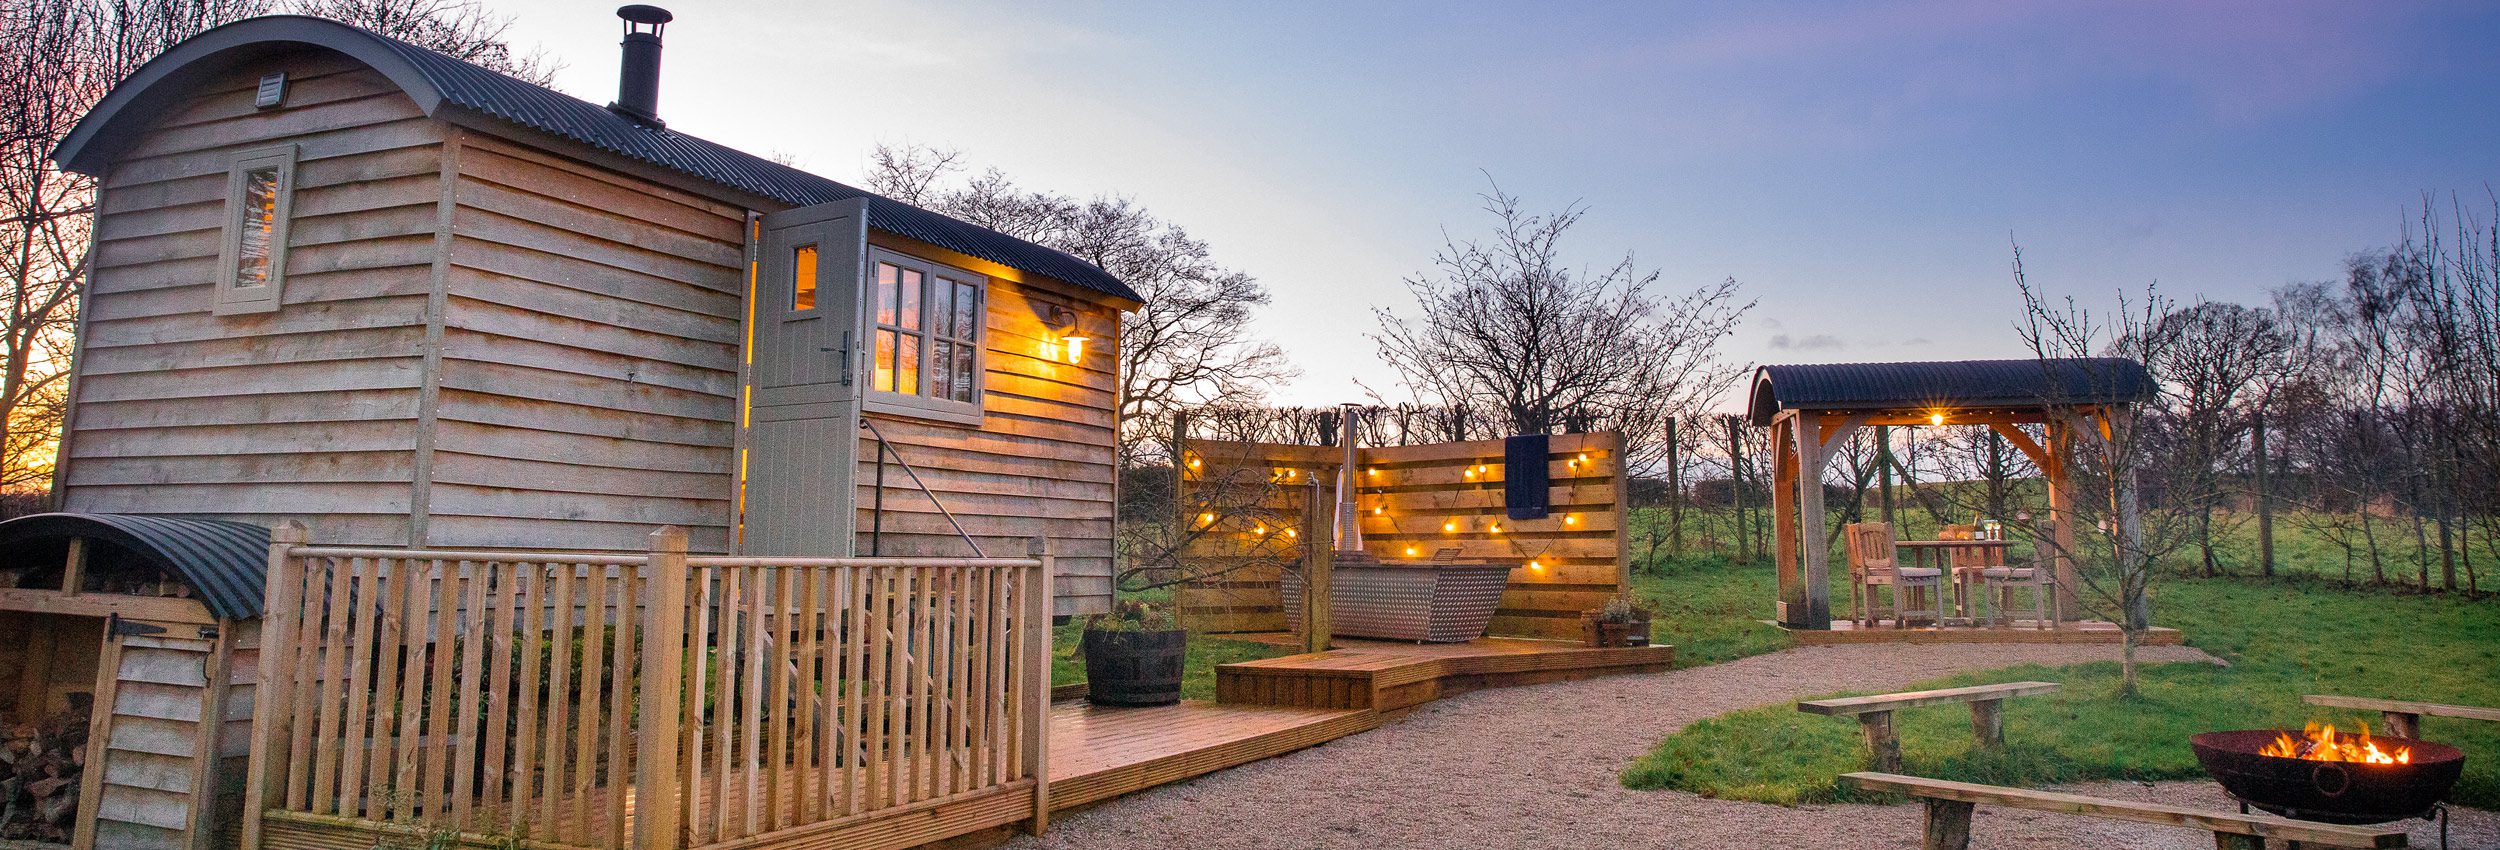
[(1949, 807), (1874, 713), (2404, 719)]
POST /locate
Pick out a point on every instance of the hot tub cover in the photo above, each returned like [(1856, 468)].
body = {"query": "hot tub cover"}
[(227, 562)]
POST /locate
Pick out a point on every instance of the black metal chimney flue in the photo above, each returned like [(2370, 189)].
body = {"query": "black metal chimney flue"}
[(638, 78)]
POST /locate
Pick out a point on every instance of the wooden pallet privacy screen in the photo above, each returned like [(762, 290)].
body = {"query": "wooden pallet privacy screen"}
[(648, 701), (1414, 501)]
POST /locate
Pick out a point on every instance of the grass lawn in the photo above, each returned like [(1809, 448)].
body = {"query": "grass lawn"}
[(2283, 638), (1712, 610)]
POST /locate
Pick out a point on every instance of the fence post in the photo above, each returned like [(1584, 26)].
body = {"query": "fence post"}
[(1035, 619), (663, 681), (264, 780)]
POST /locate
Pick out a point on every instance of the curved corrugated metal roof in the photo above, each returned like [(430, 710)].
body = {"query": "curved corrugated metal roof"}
[(1948, 384), (433, 80), (226, 562)]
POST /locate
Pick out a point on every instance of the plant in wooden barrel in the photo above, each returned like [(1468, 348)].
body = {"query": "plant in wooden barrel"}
[(1133, 656), (1623, 622)]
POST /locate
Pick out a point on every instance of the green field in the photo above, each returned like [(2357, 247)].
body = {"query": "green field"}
[(2284, 638)]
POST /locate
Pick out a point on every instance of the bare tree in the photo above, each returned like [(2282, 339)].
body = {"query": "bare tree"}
[(2216, 356), (2113, 544), (1506, 324), (462, 29), (1192, 345)]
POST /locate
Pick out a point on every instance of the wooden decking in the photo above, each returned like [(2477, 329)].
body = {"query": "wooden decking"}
[(1097, 753), (1384, 676), (2022, 631), (1275, 706)]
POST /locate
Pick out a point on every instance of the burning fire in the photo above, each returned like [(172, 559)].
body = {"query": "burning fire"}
[(2321, 743)]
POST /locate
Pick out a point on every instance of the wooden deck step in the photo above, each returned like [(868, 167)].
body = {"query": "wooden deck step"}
[(1385, 677), (1097, 753)]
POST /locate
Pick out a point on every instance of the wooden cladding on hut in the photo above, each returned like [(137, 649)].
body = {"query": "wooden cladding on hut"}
[(1248, 502)]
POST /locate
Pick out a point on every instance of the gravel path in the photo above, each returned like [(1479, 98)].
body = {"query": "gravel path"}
[(1536, 767)]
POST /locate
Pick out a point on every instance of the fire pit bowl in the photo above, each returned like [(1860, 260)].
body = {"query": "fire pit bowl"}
[(2329, 791)]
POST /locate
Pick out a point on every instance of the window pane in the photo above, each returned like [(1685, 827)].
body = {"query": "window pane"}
[(885, 360), (965, 377), (907, 372), (941, 378), (803, 288), (260, 222), (886, 277), (942, 309), (967, 312), (909, 313)]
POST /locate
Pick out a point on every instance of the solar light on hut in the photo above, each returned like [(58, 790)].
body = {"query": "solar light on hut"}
[(1410, 551), (1495, 528), (1936, 418), (1536, 566), (1289, 534), (1206, 519), (1571, 519), (1449, 525)]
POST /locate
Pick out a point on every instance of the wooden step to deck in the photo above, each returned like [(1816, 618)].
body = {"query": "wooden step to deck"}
[(1100, 752), (1385, 677)]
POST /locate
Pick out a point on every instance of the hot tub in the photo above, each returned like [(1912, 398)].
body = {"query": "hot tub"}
[(1405, 600)]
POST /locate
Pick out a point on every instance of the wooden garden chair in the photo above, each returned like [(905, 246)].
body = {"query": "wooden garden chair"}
[(1996, 592), (1875, 564)]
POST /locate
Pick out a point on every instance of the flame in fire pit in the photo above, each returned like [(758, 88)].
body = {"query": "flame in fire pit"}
[(2322, 743)]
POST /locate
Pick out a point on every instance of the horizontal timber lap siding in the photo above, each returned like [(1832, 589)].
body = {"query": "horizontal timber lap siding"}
[(588, 383), (309, 412), (1041, 464)]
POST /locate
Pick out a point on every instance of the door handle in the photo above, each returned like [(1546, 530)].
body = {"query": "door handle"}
[(842, 355)]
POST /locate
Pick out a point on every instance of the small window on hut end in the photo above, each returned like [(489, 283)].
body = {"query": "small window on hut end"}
[(251, 275), (925, 328)]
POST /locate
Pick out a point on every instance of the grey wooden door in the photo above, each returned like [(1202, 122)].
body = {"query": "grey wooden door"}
[(803, 437)]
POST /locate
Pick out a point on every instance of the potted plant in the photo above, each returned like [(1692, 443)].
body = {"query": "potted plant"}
[(1133, 656), (1623, 622)]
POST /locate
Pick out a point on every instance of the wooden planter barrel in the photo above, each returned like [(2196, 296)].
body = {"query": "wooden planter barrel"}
[(1134, 668)]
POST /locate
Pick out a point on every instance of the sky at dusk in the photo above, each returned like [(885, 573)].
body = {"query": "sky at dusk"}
[(1859, 167)]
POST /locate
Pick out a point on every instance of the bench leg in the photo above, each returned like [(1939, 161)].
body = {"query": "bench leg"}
[(1883, 747), (1948, 825), (1987, 722), (2236, 841), (2402, 724)]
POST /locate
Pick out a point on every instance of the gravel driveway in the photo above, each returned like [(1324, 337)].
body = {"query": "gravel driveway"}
[(1536, 767)]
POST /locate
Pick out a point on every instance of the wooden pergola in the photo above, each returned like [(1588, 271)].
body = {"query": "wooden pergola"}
[(1812, 408)]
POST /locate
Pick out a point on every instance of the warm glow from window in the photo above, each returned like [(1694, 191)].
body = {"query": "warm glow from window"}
[(803, 286), (260, 224)]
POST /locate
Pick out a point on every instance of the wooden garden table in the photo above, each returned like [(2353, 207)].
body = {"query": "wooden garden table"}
[(1963, 559)]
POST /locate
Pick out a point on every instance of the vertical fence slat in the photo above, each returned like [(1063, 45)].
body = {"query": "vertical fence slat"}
[(383, 601), (724, 698), (624, 669), (326, 691), (559, 638), (372, 630), (473, 639), (528, 646), (995, 689), (310, 652), (701, 586), (402, 780), (441, 632), (777, 713), (502, 700), (856, 636), (751, 699), (594, 607)]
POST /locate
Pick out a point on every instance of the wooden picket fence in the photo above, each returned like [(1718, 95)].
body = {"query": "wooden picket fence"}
[(646, 700)]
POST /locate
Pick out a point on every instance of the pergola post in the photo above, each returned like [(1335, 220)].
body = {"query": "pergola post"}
[(2062, 517), (1785, 559), (1801, 527)]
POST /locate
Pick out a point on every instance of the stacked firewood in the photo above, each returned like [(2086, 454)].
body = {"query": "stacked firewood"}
[(40, 763)]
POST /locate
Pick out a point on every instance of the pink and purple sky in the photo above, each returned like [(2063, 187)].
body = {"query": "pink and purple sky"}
[(1858, 166)]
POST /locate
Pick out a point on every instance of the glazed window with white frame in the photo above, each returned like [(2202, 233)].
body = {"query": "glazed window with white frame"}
[(260, 189), (925, 323)]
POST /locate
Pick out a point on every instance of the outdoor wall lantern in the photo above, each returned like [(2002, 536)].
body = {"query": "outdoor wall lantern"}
[(1062, 322)]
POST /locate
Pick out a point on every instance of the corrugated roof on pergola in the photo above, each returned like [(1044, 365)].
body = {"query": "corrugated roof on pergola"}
[(1948, 385)]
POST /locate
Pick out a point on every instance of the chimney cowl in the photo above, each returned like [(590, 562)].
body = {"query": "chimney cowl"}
[(638, 72)]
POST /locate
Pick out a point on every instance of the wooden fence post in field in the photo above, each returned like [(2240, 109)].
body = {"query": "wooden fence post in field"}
[(1035, 691), (283, 591), (663, 673)]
